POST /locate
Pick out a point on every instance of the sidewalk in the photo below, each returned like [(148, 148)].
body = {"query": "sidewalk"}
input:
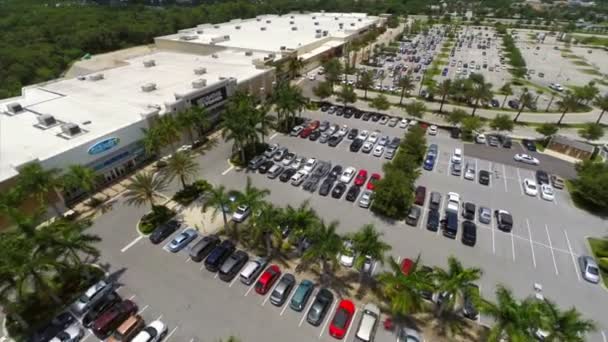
[(194, 217)]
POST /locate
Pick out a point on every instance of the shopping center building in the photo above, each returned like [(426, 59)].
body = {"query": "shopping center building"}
[(96, 118)]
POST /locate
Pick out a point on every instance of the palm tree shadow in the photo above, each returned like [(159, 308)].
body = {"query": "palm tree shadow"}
[(207, 146), (452, 324)]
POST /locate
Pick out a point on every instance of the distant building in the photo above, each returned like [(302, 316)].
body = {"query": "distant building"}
[(575, 149)]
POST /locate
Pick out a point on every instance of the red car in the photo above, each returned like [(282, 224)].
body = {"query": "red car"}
[(272, 273), (420, 195), (306, 132), (113, 317), (406, 266), (342, 319), (314, 125), (361, 177), (371, 184)]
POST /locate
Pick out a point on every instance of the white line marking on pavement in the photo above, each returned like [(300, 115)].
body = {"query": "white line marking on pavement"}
[(131, 298), (603, 336), (491, 173), (131, 244), (551, 248), (228, 170), (233, 281), (273, 136), (287, 301), (531, 244), (83, 339), (572, 255), (444, 201), (504, 177), (521, 185), (216, 274), (142, 310), (424, 211), (202, 266), (493, 238), (350, 327), (170, 334), (374, 268), (311, 300), (327, 318), (512, 245), (159, 317)]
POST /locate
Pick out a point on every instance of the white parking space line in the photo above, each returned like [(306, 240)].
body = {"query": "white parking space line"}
[(551, 249), (142, 310), (170, 334), (504, 177), (233, 280), (131, 244), (228, 170), (603, 336), (490, 171), (159, 318), (572, 255), (531, 244), (311, 301), (288, 300), (202, 266), (424, 211), (84, 338), (521, 186), (512, 245), (132, 296), (443, 204), (273, 136), (493, 236), (350, 327), (327, 317), (216, 275)]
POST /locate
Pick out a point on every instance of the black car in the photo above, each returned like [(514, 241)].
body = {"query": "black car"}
[(468, 211), (163, 231), (335, 172), (469, 310), (233, 265), (319, 307), (339, 190), (286, 175), (311, 183), (506, 142), (326, 186), (218, 255), (513, 104), (352, 134), (55, 326), (353, 193), (265, 166), (469, 233), (201, 249), (494, 103), (542, 177), (432, 222), (324, 107), (455, 132), (314, 135), (355, 146), (334, 140), (99, 308), (366, 116), (529, 145), (348, 113), (504, 220), (376, 117), (484, 177), (358, 114)]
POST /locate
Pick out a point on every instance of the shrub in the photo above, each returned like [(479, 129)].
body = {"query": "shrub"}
[(159, 215), (191, 192)]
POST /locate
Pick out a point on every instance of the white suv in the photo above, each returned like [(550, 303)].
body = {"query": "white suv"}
[(457, 156)]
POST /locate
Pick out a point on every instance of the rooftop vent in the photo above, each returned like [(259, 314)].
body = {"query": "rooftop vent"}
[(149, 63), (291, 17), (148, 87), (283, 47), (263, 28), (14, 108), (318, 31), (216, 26), (70, 130), (238, 27), (214, 55), (200, 83), (200, 71), (248, 53), (272, 55), (96, 77), (258, 19), (200, 31), (335, 18), (318, 35), (352, 24), (221, 78), (188, 37), (313, 17), (88, 122), (325, 33), (291, 22), (359, 19), (317, 23), (46, 121), (294, 28), (268, 21)]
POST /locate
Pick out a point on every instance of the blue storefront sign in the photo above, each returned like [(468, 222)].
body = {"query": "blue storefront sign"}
[(104, 145)]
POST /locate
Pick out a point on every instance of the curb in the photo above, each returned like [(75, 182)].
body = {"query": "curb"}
[(587, 237)]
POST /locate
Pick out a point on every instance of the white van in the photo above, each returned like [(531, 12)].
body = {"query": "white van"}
[(369, 322), (251, 271)]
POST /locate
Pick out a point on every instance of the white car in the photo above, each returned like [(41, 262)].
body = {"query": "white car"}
[(298, 177), (367, 147), (373, 137), (403, 123), (366, 199), (546, 192), (347, 257), (310, 164), (93, 295), (412, 123), (311, 77), (432, 130), (383, 140), (363, 135), (332, 129), (525, 158), (378, 151), (297, 163), (469, 171), (241, 213), (154, 332), (343, 130), (457, 156), (480, 138), (530, 187), (347, 174), (453, 202), (73, 333)]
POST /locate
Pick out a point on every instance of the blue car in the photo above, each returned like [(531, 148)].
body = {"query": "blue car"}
[(445, 72), (300, 297), (183, 239), (429, 162)]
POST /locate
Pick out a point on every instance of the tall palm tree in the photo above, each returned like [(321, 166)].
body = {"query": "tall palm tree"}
[(181, 165), (264, 121), (513, 319), (366, 82), (602, 103), (507, 91), (294, 67), (403, 291), (553, 95), (568, 102), (252, 196), (80, 177), (145, 188), (525, 101), (265, 227), (152, 141), (480, 91), (40, 183), (219, 201), (444, 89), (236, 128), (326, 246), (564, 325), (300, 219), (169, 130), (407, 84), (10, 201), (69, 239), (454, 282), (367, 242), (195, 117), (288, 100)]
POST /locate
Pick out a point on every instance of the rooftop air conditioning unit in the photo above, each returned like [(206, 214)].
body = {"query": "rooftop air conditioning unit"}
[(188, 37), (268, 21), (216, 26), (46, 120), (291, 17), (272, 55), (238, 27), (291, 22), (148, 87), (316, 23), (14, 108), (81, 78), (199, 31), (352, 24), (313, 17), (294, 28), (70, 129), (325, 33), (227, 37), (258, 19), (96, 77), (221, 78), (335, 18), (283, 47), (199, 84), (318, 31), (248, 53), (200, 71), (318, 35), (149, 63), (214, 55), (263, 28), (359, 19)]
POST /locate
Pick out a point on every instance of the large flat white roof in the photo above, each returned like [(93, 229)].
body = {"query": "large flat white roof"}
[(111, 103), (271, 32)]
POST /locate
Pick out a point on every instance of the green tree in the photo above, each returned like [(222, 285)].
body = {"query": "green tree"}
[(168, 130), (40, 184), (564, 325), (252, 196), (456, 116), (152, 141), (80, 177), (380, 102), (301, 219), (591, 131), (444, 90), (324, 90), (181, 165), (294, 67), (333, 69), (416, 109), (403, 291), (568, 102), (219, 200), (393, 195), (69, 240), (145, 189), (480, 91), (264, 121), (591, 183), (366, 82), (525, 101), (406, 83), (602, 103), (367, 242), (507, 91), (265, 227), (469, 125), (193, 117), (454, 282), (288, 100), (346, 95), (326, 246), (502, 122), (547, 130)]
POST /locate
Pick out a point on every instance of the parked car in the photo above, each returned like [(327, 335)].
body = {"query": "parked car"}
[(409, 335), (589, 269), (361, 177), (504, 220), (432, 222), (128, 329), (469, 309), (342, 319), (218, 255), (182, 239), (267, 279), (111, 319), (546, 192), (301, 295), (469, 233), (468, 211), (413, 216), (154, 332), (233, 265), (256, 162), (59, 323), (365, 199), (72, 333), (283, 289), (526, 158), (241, 214), (353, 193), (530, 187), (164, 230), (338, 190), (347, 257), (485, 215), (542, 177), (99, 308), (484, 177), (287, 174), (347, 175), (557, 181), (203, 247), (319, 307), (299, 177), (529, 145), (420, 195), (252, 269), (368, 323), (271, 150), (92, 296), (275, 171)]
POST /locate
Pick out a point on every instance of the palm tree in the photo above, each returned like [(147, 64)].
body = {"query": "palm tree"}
[(553, 95), (236, 128), (40, 183), (80, 177), (403, 291), (367, 242), (10, 201), (564, 325), (407, 84), (220, 201), (265, 121), (444, 89), (366, 82), (69, 239), (512, 318), (145, 188), (265, 227), (183, 166), (288, 100), (480, 91), (300, 219), (539, 92), (196, 117), (525, 101), (326, 246), (294, 66), (416, 109), (454, 282), (507, 91), (252, 196), (602, 103), (169, 130), (151, 141), (568, 102)]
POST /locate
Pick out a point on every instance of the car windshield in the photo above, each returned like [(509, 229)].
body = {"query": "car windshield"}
[(593, 270), (84, 298), (341, 318), (180, 238)]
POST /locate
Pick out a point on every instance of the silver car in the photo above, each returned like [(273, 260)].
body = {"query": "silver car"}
[(365, 199), (282, 290), (485, 215), (93, 295), (183, 239), (589, 269)]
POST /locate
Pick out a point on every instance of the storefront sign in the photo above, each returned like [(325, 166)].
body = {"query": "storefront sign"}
[(212, 98), (103, 146)]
